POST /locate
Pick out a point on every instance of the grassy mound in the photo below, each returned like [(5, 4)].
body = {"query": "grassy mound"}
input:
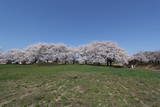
[(77, 86)]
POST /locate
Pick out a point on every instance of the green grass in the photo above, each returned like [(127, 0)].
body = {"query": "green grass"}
[(77, 86)]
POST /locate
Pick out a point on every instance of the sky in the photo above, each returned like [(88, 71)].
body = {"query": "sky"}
[(133, 24)]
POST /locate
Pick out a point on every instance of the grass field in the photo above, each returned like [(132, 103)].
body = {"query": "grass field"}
[(77, 86)]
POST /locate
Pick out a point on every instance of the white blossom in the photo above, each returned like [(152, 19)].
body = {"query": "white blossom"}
[(102, 52)]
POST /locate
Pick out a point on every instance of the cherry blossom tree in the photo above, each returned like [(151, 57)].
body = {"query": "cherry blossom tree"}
[(102, 52), (15, 56), (45, 52), (145, 57), (2, 59)]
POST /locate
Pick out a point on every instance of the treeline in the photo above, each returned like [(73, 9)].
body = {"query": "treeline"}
[(98, 52)]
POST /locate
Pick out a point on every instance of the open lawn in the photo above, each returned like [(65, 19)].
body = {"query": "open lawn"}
[(77, 86)]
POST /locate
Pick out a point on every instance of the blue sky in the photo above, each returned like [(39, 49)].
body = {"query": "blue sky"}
[(133, 24)]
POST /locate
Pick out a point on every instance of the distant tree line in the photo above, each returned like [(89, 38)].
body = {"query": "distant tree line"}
[(97, 52)]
